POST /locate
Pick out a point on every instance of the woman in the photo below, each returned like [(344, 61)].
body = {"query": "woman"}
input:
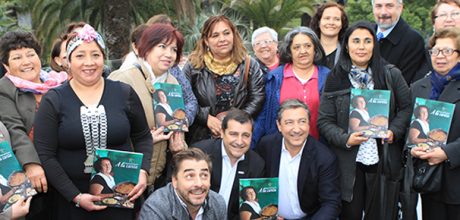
[(443, 84), (250, 208), (419, 128), (301, 77), (163, 111), (21, 90), (329, 24), (85, 113), (360, 66), (58, 61), (359, 116), (102, 182), (219, 77), (445, 14), (160, 47)]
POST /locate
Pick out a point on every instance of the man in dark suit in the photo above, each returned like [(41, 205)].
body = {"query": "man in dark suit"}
[(232, 159), (399, 43), (307, 170)]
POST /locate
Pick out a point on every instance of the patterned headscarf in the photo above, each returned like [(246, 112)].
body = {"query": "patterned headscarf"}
[(86, 34)]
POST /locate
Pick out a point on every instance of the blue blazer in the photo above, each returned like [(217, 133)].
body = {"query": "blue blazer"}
[(265, 123), (318, 178)]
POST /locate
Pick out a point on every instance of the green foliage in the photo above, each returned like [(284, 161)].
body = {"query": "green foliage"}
[(6, 23), (416, 13)]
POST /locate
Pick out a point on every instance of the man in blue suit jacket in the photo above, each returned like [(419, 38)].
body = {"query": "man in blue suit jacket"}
[(232, 159), (307, 170)]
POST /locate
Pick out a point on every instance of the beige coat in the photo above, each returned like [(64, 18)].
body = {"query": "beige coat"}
[(141, 83)]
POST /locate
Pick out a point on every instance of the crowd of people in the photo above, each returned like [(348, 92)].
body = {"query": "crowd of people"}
[(283, 113)]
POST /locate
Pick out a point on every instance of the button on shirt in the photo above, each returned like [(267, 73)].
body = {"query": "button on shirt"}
[(305, 91), (228, 175), (289, 205)]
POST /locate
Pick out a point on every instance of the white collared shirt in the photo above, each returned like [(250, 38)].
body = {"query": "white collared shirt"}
[(199, 215), (228, 175), (288, 199)]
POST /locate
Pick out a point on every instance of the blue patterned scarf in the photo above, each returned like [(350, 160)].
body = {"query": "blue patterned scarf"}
[(438, 81)]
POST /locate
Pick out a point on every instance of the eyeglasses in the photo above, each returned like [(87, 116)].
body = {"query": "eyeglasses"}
[(444, 16), (263, 42), (445, 51)]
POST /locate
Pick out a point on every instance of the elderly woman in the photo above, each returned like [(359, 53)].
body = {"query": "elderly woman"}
[(360, 66), (301, 77), (329, 23), (265, 45), (223, 76), (86, 113), (443, 84), (159, 48), (445, 14)]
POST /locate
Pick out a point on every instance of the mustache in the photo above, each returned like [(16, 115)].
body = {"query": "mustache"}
[(384, 17)]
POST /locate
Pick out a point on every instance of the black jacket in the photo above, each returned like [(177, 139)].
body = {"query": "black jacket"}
[(318, 178), (249, 96), (334, 116), (450, 191), (404, 47), (251, 167)]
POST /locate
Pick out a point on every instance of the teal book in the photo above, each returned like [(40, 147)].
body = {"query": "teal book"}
[(369, 111), (14, 183), (259, 196), (430, 123), (115, 174), (169, 108)]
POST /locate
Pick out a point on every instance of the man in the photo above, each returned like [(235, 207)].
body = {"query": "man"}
[(307, 170), (400, 44), (188, 196), (265, 45), (232, 159)]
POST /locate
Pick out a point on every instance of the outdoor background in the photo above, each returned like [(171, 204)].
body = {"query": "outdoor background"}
[(116, 18)]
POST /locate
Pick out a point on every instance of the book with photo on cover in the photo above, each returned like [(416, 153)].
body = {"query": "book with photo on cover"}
[(259, 196), (115, 173), (14, 184), (369, 110), (169, 108), (430, 123)]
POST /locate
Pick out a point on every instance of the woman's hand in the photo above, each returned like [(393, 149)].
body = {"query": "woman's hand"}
[(389, 138), (215, 125), (36, 175), (418, 151), (434, 156), (159, 135), (20, 208), (177, 143), (140, 187), (356, 138), (86, 201)]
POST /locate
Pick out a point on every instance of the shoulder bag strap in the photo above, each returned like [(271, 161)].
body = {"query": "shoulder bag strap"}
[(140, 69), (246, 69)]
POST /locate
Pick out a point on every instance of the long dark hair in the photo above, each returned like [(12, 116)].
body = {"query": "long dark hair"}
[(376, 63)]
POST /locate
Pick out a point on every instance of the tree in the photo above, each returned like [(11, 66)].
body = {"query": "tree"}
[(116, 39)]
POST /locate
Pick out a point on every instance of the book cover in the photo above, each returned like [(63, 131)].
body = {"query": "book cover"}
[(430, 123), (169, 108), (14, 183), (115, 173), (369, 110), (259, 196)]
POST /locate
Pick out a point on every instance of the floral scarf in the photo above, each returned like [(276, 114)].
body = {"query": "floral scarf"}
[(50, 80)]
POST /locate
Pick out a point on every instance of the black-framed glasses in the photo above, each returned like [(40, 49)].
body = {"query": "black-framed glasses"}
[(454, 15), (445, 51)]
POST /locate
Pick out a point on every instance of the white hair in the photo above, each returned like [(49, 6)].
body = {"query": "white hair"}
[(398, 1), (263, 30)]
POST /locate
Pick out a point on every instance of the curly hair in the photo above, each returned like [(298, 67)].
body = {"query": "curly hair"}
[(14, 40), (315, 20)]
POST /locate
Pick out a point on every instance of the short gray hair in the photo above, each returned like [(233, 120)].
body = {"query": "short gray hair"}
[(285, 50), (398, 1), (292, 104), (263, 30)]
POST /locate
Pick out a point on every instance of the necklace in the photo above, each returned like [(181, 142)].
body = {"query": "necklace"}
[(94, 125)]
